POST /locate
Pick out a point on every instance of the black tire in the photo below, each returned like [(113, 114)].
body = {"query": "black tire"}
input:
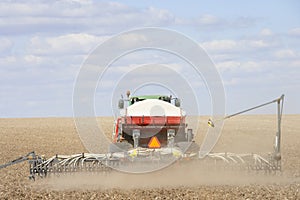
[(188, 147), (119, 147)]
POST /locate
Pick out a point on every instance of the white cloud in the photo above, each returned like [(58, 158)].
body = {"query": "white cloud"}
[(65, 44), (23, 8), (257, 66), (295, 63), (7, 61), (129, 68), (132, 38), (251, 66), (294, 31), (213, 22), (64, 8), (5, 45), (208, 20), (205, 21), (244, 45), (232, 81), (160, 15), (99, 17), (60, 33), (285, 54), (77, 16), (256, 43), (240, 66), (228, 65), (32, 59), (266, 32), (83, 2), (220, 45)]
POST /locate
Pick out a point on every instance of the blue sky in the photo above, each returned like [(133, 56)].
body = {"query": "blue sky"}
[(255, 45)]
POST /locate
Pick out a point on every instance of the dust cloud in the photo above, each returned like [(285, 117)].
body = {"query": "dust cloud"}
[(177, 175)]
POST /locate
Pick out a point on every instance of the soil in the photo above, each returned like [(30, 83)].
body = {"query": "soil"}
[(246, 133)]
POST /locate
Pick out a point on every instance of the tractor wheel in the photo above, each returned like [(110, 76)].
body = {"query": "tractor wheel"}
[(188, 147), (119, 147)]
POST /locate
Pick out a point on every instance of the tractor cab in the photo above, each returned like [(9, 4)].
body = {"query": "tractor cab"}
[(135, 99)]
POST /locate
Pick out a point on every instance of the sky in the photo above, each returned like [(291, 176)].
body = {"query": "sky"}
[(255, 45)]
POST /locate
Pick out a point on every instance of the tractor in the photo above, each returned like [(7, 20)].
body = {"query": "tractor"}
[(152, 129), (151, 121)]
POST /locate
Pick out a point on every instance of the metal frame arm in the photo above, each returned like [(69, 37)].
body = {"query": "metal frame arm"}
[(18, 160), (253, 108), (279, 101)]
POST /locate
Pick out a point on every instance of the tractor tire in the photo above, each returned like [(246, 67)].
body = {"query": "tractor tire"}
[(188, 147), (119, 147)]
